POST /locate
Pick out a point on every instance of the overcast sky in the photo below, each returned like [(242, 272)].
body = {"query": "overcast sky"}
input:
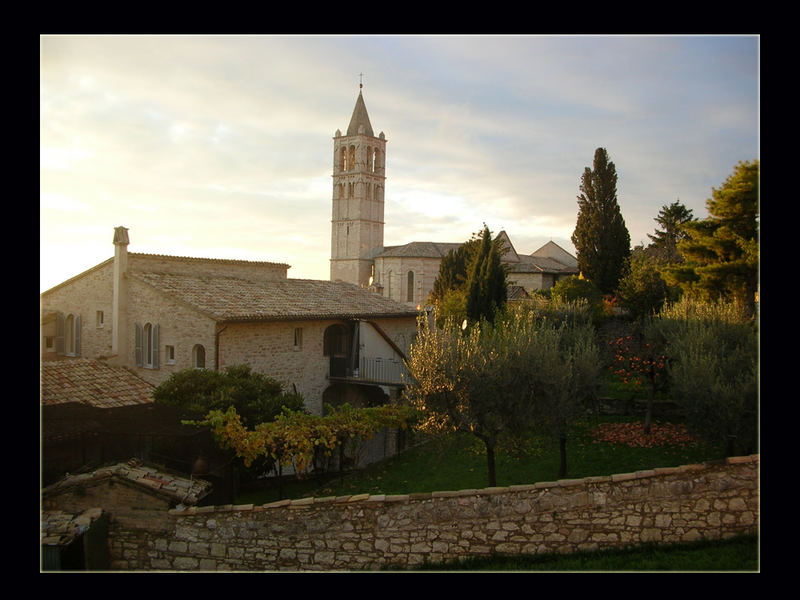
[(221, 146)]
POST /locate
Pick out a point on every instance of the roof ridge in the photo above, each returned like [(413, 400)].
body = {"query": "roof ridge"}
[(209, 259)]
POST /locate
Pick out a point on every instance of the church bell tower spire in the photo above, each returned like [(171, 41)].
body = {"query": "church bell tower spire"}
[(359, 175)]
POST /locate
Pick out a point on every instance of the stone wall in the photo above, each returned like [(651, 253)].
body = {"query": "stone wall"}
[(711, 500)]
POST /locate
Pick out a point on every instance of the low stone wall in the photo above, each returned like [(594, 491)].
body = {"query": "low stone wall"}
[(711, 500)]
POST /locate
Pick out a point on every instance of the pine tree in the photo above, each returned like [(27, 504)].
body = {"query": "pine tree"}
[(665, 241), (721, 251), (601, 238)]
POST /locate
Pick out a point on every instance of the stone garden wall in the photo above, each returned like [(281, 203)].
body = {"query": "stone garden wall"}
[(711, 500)]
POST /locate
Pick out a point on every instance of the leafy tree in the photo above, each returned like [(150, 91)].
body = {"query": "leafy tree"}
[(643, 291), (475, 381), (601, 238), (664, 242), (565, 370), (498, 381), (256, 397), (640, 358), (721, 251), (294, 438)]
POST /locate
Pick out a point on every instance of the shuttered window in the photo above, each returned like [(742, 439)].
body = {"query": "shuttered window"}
[(68, 335)]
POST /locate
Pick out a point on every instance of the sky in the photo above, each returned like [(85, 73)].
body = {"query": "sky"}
[(222, 146)]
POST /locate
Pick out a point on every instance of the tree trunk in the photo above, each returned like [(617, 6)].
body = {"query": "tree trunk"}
[(490, 463), (731, 446), (648, 416), (562, 446)]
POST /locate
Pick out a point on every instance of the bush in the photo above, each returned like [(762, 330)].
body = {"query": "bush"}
[(574, 289), (643, 291), (256, 397), (713, 371)]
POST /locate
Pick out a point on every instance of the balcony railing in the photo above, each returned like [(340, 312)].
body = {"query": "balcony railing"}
[(386, 371)]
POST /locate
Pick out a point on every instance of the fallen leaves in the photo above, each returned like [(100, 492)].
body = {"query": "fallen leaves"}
[(633, 435)]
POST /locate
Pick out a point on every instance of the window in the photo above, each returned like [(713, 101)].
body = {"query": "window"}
[(410, 290), (389, 284), (298, 338), (198, 357), (170, 354), (146, 345), (99, 319)]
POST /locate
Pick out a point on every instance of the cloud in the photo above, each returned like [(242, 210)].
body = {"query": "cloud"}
[(224, 144)]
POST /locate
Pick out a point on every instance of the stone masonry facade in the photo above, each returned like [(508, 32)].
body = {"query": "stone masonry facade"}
[(369, 532)]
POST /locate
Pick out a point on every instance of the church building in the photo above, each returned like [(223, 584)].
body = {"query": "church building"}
[(404, 273)]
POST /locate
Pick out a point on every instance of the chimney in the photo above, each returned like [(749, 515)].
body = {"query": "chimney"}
[(119, 301)]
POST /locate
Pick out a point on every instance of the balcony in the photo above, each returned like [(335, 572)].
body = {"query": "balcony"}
[(374, 371)]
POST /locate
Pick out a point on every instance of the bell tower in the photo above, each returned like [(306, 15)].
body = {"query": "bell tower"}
[(359, 173)]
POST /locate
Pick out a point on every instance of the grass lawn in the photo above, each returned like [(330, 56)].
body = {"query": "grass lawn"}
[(739, 553), (458, 461)]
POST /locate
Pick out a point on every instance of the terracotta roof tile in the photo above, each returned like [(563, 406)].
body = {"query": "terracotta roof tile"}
[(91, 382), (540, 264), (232, 299), (59, 528), (185, 491), (419, 250)]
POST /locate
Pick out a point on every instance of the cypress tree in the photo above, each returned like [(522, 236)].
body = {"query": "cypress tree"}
[(486, 287), (601, 238)]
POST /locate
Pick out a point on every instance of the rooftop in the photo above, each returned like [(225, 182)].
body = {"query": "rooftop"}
[(233, 299), (93, 383), (59, 528), (175, 487)]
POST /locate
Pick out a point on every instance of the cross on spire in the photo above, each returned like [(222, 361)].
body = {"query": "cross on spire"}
[(360, 85)]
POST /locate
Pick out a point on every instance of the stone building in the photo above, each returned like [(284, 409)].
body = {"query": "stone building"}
[(155, 315), (405, 272)]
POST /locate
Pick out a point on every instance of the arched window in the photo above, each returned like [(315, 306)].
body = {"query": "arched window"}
[(147, 346), (198, 357), (343, 160), (389, 284), (351, 163), (410, 290)]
